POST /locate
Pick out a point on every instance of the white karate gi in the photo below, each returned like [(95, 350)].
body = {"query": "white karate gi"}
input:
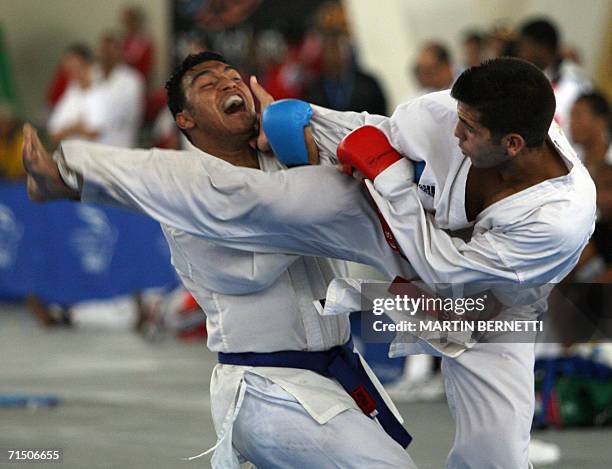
[(535, 235), (263, 302)]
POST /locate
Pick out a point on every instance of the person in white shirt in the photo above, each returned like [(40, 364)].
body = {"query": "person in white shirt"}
[(262, 304), (515, 183), (81, 111), (124, 91), (104, 102)]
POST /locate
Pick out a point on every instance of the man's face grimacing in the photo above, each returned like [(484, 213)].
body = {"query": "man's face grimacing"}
[(217, 101), (477, 142)]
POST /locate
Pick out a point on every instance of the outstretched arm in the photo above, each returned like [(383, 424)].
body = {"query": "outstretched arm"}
[(311, 210)]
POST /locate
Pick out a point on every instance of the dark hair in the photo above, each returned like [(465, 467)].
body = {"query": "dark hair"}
[(440, 51), (174, 87), (81, 50), (597, 102), (511, 95), (542, 32), (473, 36)]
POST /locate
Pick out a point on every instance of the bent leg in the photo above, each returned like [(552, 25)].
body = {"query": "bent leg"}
[(490, 392)]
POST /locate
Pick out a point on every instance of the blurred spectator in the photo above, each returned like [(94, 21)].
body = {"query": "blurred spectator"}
[(331, 16), (195, 42), (571, 54), (57, 87), (573, 379), (342, 85), (590, 128), (11, 139), (292, 61), (433, 69), (79, 112), (137, 45), (103, 102), (123, 89), (502, 41), (473, 48), (539, 43), (165, 133)]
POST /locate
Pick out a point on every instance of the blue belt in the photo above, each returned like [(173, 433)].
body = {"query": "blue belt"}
[(339, 362)]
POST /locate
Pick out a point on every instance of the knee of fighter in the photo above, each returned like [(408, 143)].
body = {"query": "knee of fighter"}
[(283, 123)]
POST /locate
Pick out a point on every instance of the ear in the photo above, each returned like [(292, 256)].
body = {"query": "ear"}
[(184, 120), (514, 143)]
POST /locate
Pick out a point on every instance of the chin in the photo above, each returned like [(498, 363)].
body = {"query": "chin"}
[(478, 163)]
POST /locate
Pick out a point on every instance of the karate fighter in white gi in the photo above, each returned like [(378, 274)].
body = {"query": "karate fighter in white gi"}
[(512, 179), (516, 183), (281, 417)]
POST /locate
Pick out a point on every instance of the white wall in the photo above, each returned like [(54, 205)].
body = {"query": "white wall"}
[(389, 32), (384, 39), (37, 31)]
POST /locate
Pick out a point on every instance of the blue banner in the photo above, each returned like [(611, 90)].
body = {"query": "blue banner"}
[(67, 252)]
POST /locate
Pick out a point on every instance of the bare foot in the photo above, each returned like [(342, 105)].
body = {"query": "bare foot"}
[(44, 181)]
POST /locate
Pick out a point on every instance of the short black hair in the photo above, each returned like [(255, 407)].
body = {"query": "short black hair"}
[(473, 36), (542, 32), (511, 95), (597, 102), (174, 87), (82, 50), (440, 51)]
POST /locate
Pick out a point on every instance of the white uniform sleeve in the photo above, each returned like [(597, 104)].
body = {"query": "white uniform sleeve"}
[(310, 210), (519, 253)]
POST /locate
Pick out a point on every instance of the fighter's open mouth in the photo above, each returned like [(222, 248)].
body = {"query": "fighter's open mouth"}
[(233, 104)]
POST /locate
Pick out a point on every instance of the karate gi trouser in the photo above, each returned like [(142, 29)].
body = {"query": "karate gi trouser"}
[(490, 392), (273, 430)]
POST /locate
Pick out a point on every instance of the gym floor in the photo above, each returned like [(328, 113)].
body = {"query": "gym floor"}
[(127, 403)]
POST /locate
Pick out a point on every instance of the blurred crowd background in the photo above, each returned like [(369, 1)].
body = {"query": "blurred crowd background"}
[(96, 70)]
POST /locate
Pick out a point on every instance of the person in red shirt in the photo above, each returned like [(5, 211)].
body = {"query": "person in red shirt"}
[(137, 44)]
